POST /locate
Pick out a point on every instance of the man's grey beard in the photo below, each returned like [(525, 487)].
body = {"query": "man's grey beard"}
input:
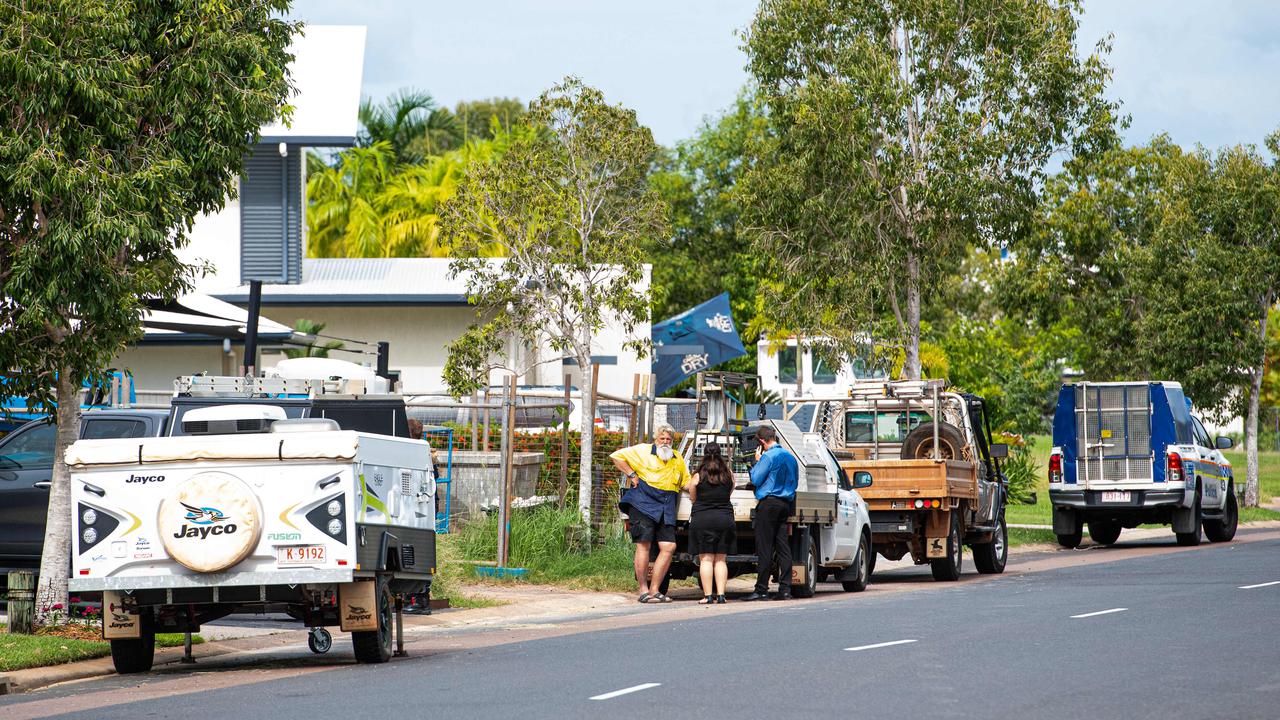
[(665, 453)]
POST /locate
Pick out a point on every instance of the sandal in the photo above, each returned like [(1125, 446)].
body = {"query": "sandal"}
[(662, 598), (646, 598), (707, 600), (720, 600)]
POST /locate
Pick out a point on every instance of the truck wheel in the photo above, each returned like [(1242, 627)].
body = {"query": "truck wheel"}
[(1224, 529), (948, 568), (862, 561), (918, 443), (871, 564), (990, 557), (1191, 539), (810, 584), (374, 646), (134, 655), (1104, 532)]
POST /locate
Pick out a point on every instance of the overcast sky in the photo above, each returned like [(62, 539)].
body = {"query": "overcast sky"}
[(1202, 71)]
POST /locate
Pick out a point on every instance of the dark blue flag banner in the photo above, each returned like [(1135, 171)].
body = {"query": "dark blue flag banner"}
[(695, 340)]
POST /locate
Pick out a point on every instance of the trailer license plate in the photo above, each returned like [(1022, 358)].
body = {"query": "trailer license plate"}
[(1116, 496), (300, 555)]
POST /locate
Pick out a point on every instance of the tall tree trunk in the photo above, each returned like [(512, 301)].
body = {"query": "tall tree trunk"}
[(51, 593), (911, 366), (588, 438), (1251, 419)]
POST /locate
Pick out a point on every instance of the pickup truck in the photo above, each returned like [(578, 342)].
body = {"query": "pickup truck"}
[(830, 532), (1127, 453), (26, 471), (932, 475)]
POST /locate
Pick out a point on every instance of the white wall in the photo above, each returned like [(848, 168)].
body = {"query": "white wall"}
[(419, 337), (215, 239), (155, 366)]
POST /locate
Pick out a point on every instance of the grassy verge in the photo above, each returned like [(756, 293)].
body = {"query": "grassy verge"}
[(56, 647), (551, 544)]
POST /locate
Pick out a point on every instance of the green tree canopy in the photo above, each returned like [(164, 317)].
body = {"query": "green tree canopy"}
[(412, 125), (570, 205), (904, 133), (119, 124)]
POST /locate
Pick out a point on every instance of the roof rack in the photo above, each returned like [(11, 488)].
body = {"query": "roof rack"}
[(899, 389), (249, 386)]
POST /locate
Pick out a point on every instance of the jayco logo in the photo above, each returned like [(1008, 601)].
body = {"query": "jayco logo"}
[(355, 613), (204, 522), (144, 479)]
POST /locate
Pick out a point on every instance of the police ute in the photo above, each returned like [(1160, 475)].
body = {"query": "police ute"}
[(1127, 453)]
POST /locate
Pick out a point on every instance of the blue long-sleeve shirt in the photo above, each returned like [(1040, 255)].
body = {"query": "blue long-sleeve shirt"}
[(777, 474)]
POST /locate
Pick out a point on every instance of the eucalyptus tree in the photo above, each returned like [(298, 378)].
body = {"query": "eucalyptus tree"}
[(119, 124), (902, 134), (570, 207)]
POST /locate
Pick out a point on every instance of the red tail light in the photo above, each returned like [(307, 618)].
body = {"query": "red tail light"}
[(1055, 468), (1174, 473)]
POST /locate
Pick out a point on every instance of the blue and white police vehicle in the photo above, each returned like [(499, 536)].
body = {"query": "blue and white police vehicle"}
[(1127, 453)]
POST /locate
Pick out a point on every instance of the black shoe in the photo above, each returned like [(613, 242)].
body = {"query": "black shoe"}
[(720, 600), (784, 595), (755, 596)]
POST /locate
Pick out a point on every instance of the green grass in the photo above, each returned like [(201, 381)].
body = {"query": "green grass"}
[(21, 652), (551, 545)]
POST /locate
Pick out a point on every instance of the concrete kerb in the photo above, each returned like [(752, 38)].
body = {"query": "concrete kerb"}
[(526, 604)]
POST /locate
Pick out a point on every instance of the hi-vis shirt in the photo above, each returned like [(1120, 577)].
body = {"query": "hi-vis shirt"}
[(671, 475)]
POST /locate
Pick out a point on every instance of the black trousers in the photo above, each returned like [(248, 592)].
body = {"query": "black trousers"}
[(771, 538)]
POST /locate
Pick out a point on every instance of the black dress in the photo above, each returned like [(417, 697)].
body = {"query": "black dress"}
[(711, 527)]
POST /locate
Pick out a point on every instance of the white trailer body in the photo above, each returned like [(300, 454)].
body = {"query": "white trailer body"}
[(181, 530)]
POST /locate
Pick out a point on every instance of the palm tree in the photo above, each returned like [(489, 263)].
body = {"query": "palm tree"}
[(311, 349), (412, 123)]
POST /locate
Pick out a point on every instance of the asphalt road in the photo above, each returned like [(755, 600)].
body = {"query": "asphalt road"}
[(1172, 635)]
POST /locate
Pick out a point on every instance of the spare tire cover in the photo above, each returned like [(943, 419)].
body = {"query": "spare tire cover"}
[(210, 522)]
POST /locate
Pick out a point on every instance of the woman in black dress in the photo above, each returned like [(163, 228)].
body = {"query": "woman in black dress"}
[(711, 530)]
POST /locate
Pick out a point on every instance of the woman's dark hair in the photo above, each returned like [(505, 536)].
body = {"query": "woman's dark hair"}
[(713, 469)]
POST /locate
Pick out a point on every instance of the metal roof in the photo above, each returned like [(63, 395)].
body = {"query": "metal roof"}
[(365, 281)]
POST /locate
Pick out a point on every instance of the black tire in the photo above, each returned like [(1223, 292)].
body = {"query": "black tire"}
[(947, 569), (990, 557), (1191, 539), (918, 444), (863, 562), (871, 564), (807, 588), (374, 646), (134, 655), (319, 641), (1104, 532), (1224, 529)]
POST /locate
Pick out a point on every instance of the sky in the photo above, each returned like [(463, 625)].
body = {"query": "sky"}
[(1199, 70)]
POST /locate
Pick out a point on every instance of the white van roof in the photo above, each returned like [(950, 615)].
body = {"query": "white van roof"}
[(329, 445)]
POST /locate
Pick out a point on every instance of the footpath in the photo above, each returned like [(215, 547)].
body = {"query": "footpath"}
[(527, 611)]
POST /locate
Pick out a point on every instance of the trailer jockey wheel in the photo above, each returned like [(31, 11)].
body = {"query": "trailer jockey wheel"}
[(319, 640)]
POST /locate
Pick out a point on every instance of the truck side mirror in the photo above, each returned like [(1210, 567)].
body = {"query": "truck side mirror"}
[(999, 451), (1223, 442), (861, 479)]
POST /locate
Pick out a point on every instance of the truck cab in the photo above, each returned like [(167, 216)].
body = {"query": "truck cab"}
[(1127, 453)]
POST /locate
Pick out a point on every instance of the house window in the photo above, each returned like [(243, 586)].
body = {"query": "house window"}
[(787, 365)]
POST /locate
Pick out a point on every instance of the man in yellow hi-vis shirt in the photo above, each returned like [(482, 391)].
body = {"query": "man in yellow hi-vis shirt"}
[(655, 474)]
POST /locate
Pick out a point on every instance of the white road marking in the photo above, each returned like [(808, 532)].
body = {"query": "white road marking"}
[(1100, 612), (879, 645), (1266, 584), (624, 691)]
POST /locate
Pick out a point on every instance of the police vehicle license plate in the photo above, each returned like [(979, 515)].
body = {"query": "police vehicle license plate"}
[(1116, 496), (300, 555)]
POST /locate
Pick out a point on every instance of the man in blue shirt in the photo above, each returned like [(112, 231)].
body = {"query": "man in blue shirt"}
[(775, 476)]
